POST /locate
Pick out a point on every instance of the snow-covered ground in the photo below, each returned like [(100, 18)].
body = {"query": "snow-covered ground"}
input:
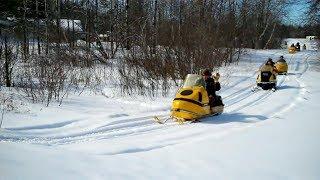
[(311, 44), (261, 135)]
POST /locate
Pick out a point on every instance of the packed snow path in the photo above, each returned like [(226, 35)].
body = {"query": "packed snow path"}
[(95, 129), (238, 98)]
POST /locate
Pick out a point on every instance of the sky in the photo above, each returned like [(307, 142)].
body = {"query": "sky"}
[(297, 13)]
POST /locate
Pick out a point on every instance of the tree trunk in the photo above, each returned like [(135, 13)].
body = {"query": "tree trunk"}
[(47, 24), (25, 38), (155, 24), (58, 28), (7, 63), (271, 36), (127, 25), (38, 27), (112, 17)]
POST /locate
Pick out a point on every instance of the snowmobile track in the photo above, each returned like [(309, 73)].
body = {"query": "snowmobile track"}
[(144, 125)]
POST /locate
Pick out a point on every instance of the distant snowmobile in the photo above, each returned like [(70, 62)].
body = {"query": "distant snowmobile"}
[(292, 49), (192, 102), (281, 66)]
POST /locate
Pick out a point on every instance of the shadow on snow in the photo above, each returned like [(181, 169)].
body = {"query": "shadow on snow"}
[(233, 117)]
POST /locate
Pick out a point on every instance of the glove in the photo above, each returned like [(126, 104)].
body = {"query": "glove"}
[(216, 77)]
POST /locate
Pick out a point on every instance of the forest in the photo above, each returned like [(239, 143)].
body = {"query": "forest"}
[(52, 47)]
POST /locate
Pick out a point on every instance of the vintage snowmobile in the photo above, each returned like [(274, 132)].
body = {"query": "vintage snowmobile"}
[(266, 78), (282, 67), (292, 50), (192, 102)]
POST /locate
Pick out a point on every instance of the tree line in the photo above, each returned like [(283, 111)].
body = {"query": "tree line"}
[(148, 43)]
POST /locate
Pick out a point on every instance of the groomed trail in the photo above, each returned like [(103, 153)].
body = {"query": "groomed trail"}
[(238, 99), (126, 129)]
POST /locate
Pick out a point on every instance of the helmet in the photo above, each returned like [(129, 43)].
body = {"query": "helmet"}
[(281, 57), (206, 72), (269, 61)]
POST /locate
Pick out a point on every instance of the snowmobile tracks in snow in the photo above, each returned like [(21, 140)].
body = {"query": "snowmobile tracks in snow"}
[(301, 87), (130, 126), (258, 97), (124, 126)]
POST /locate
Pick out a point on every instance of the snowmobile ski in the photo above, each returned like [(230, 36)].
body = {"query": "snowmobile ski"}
[(195, 121), (161, 121), (255, 88), (182, 121)]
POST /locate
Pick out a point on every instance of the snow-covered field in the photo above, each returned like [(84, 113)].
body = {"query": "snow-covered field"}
[(261, 135), (310, 44)]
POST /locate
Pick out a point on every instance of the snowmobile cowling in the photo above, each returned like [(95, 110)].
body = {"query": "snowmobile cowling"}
[(266, 79), (282, 67), (292, 50), (190, 106), (191, 101)]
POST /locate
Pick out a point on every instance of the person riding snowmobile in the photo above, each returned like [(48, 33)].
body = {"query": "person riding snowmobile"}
[(212, 85), (298, 46), (270, 62), (267, 76), (281, 66), (304, 47), (281, 59), (269, 66)]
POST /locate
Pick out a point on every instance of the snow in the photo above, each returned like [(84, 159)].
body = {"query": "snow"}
[(311, 44), (261, 135)]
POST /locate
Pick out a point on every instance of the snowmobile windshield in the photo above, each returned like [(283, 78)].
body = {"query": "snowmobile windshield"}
[(193, 80)]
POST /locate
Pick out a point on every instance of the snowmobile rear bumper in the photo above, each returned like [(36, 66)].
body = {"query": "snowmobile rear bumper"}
[(267, 85)]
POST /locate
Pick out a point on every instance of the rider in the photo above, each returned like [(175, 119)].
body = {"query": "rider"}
[(304, 47), (269, 66), (281, 59), (212, 85), (298, 46)]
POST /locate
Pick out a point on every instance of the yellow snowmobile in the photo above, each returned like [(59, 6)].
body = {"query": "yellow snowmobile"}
[(267, 78), (282, 67), (192, 101), (292, 50)]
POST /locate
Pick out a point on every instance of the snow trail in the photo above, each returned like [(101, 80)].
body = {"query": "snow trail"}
[(262, 134), (237, 97)]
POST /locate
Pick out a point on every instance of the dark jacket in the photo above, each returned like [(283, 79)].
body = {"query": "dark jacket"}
[(212, 86)]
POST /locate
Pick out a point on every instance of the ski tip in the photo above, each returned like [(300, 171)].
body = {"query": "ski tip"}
[(157, 119)]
